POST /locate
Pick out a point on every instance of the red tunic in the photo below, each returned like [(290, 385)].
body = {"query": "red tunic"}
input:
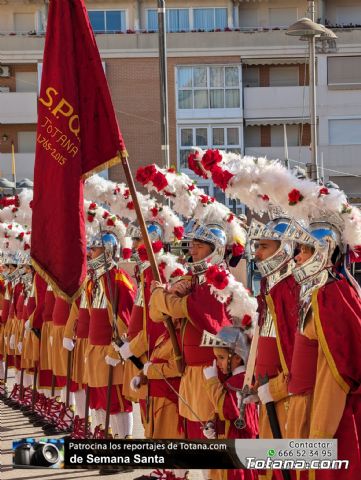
[(230, 412)]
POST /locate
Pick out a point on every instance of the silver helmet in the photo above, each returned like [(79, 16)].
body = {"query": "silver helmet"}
[(325, 240), (154, 229), (133, 231), (231, 338), (274, 230), (214, 235), (109, 242)]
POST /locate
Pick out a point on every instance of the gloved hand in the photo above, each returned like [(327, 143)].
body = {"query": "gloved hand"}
[(27, 325), (146, 367), (209, 431), (12, 342), (68, 344), (210, 372), (135, 383), (155, 284), (124, 350), (20, 347), (252, 398), (113, 362), (264, 393)]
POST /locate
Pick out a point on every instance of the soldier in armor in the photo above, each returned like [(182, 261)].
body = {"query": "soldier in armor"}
[(325, 372), (76, 340), (15, 288), (143, 332), (8, 291), (111, 301), (231, 349), (192, 301), (277, 308)]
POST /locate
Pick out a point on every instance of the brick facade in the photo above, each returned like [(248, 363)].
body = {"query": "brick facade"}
[(134, 85)]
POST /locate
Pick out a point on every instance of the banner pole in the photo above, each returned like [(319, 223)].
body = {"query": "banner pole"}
[(151, 257)]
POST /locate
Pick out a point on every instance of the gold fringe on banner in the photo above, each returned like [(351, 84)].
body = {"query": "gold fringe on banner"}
[(45, 276), (110, 163)]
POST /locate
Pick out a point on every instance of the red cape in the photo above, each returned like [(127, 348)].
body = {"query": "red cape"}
[(283, 302), (337, 310)]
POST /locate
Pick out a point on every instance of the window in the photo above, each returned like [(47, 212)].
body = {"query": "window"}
[(209, 18), (177, 20), (278, 136), (284, 76), (282, 17), (208, 87), (24, 22), (251, 76), (207, 136), (248, 17), (26, 142), (186, 19), (107, 20), (26, 81), (252, 136), (344, 72), (345, 131), (348, 15)]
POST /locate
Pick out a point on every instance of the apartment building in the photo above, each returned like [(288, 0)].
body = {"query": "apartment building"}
[(236, 81)]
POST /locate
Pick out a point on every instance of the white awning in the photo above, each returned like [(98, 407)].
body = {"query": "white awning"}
[(274, 61), (250, 122)]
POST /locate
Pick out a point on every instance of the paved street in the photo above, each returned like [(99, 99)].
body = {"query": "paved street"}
[(14, 425)]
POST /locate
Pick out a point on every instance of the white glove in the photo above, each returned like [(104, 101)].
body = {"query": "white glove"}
[(264, 393), (135, 383), (125, 351), (210, 372), (20, 347), (12, 342), (27, 325), (68, 344), (113, 362), (209, 431), (51, 341), (146, 367), (246, 400)]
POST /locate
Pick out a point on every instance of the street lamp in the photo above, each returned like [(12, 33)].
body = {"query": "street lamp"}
[(162, 44), (308, 30)]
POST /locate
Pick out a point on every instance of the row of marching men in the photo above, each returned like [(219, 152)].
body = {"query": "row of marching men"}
[(300, 368), (89, 392), (305, 307), (72, 358)]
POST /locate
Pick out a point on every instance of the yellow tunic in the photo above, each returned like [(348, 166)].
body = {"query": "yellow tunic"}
[(78, 353), (316, 417), (193, 383), (163, 413)]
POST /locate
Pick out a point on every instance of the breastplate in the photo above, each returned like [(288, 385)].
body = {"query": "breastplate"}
[(99, 299), (268, 328), (7, 294), (83, 300)]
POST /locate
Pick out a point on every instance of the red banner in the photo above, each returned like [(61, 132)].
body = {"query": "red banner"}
[(77, 135)]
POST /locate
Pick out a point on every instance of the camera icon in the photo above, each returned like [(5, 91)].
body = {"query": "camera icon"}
[(36, 454)]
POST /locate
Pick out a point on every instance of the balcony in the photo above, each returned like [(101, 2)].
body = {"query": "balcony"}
[(259, 42), (18, 107), (299, 154), (275, 102), (24, 165), (331, 155)]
